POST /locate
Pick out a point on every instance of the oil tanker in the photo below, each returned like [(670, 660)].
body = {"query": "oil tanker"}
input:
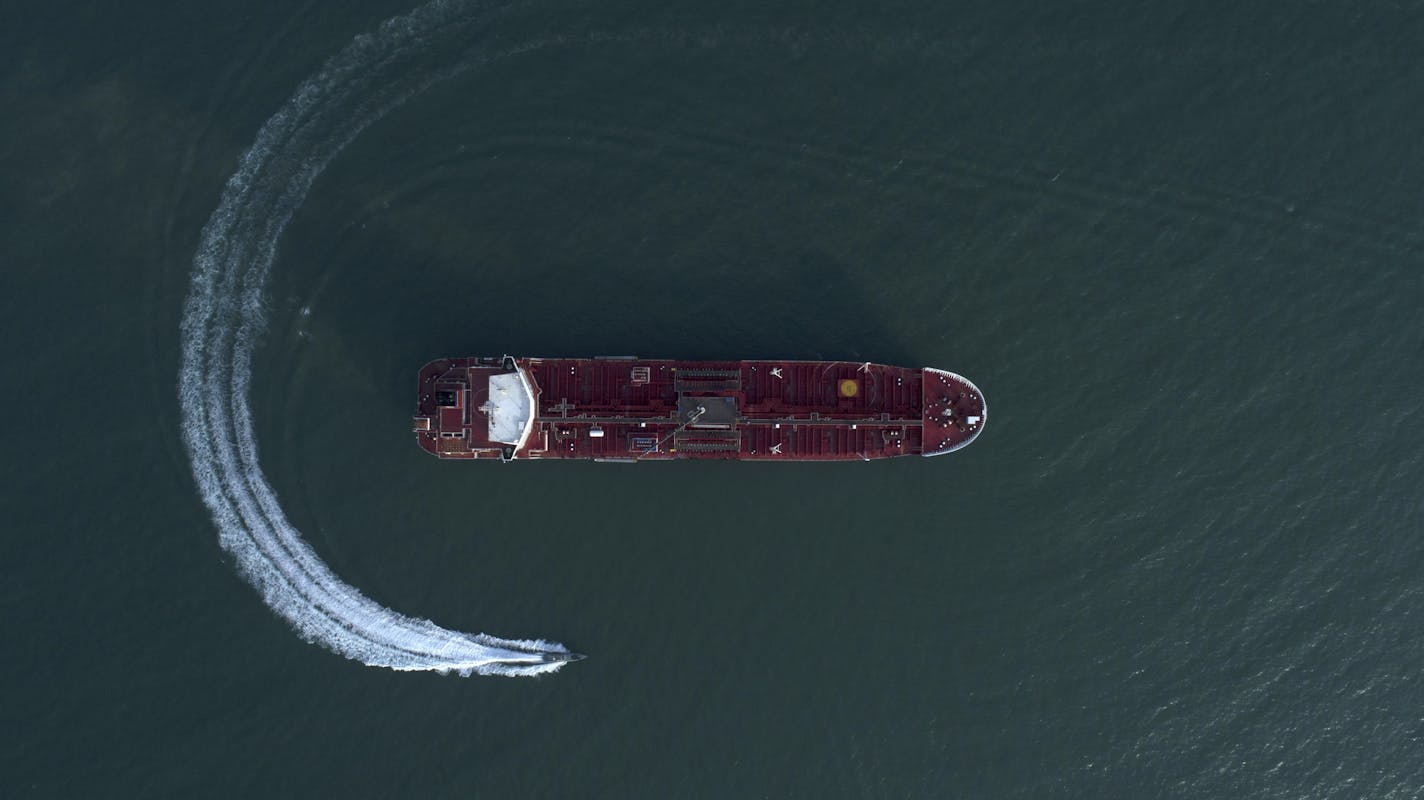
[(636, 409)]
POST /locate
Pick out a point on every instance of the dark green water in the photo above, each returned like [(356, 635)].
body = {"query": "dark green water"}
[(1181, 252)]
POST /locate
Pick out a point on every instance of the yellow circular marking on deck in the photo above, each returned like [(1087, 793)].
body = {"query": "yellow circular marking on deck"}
[(849, 388)]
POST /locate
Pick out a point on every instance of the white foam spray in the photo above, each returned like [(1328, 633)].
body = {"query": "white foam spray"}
[(224, 318)]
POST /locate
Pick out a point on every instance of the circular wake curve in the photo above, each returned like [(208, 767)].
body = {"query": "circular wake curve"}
[(223, 319)]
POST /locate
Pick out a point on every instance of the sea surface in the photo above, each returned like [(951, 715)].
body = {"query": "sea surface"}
[(1180, 248)]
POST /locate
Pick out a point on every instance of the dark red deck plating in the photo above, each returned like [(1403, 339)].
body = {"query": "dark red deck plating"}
[(658, 409)]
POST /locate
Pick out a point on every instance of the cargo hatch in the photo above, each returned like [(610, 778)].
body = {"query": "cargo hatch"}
[(707, 412)]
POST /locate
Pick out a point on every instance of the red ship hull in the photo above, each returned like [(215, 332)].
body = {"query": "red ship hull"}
[(629, 409)]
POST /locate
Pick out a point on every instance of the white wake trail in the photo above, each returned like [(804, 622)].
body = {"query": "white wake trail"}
[(223, 320)]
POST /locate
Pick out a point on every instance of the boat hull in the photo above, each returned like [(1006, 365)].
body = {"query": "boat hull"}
[(631, 409)]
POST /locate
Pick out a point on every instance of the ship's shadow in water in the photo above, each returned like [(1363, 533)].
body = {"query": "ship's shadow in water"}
[(811, 306)]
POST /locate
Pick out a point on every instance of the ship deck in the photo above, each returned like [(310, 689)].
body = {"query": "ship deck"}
[(660, 409)]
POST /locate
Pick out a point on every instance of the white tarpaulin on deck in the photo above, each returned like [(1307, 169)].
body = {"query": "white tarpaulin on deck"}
[(508, 408)]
